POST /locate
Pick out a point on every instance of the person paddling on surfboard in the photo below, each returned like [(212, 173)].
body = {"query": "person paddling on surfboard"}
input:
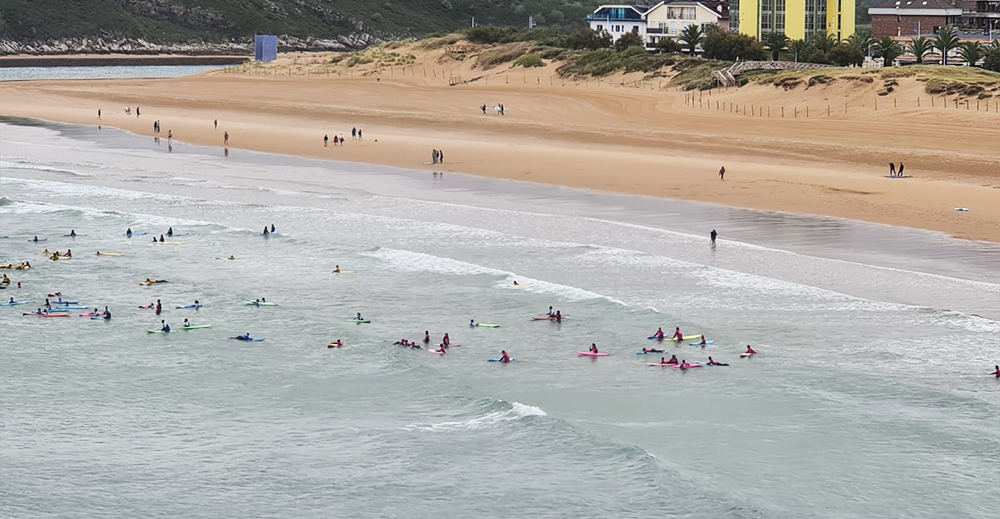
[(673, 360), (186, 323), (336, 270), (651, 350), (684, 364), (336, 344), (712, 362), (659, 334), (164, 327), (703, 343), (593, 348), (504, 358), (244, 337), (272, 228), (472, 323), (750, 350), (678, 336), (997, 372), (72, 233), (170, 231), (359, 318)]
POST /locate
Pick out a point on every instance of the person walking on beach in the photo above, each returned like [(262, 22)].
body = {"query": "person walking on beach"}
[(484, 108), (170, 134), (326, 139), (354, 133), (98, 113), (900, 168), (713, 235), (359, 136), (341, 139), (722, 173), (434, 157), (216, 124), (226, 139), (441, 156), (136, 112), (892, 169)]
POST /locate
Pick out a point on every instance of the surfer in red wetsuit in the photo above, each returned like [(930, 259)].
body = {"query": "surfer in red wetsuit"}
[(445, 340), (593, 348), (678, 336), (997, 372), (750, 350), (673, 360), (712, 362), (659, 334), (558, 316), (504, 357), (703, 341), (427, 336)]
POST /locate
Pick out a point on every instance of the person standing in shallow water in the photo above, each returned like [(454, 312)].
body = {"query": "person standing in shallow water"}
[(326, 139), (900, 168), (714, 234), (225, 139), (892, 169)]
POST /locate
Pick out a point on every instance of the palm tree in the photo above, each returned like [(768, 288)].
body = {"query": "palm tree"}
[(919, 47), (888, 49), (945, 41), (861, 40), (971, 52), (775, 42), (799, 48), (692, 37), (823, 43)]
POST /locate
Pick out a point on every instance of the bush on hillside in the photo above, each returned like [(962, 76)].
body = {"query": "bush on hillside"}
[(529, 60), (992, 61), (606, 61), (588, 39), (725, 46), (668, 45), (845, 55), (502, 54), (628, 40)]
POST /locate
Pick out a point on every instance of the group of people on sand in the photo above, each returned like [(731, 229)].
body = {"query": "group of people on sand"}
[(498, 108), (896, 174), (437, 157), (356, 135)]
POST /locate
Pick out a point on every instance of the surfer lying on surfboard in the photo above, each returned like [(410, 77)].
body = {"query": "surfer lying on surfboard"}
[(647, 350)]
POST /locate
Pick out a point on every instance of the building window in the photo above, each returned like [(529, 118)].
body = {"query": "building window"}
[(600, 28), (635, 30)]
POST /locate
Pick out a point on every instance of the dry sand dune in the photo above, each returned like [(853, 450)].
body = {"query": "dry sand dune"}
[(647, 138)]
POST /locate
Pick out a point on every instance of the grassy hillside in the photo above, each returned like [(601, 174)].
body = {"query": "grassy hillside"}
[(170, 21)]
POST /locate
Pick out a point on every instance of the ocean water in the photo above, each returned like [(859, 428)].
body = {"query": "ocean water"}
[(103, 72), (870, 397)]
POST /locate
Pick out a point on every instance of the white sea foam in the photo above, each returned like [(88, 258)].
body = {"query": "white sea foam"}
[(492, 419), (8, 165), (419, 262)]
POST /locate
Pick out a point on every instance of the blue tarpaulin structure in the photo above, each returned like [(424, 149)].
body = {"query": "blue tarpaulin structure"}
[(265, 48)]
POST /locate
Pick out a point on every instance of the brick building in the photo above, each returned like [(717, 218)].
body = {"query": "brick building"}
[(910, 18)]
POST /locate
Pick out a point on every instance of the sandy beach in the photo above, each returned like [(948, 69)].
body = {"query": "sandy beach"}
[(648, 139)]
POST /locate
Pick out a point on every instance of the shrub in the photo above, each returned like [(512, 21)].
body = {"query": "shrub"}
[(844, 54), (489, 34), (731, 47), (668, 45), (629, 40), (588, 39), (529, 60)]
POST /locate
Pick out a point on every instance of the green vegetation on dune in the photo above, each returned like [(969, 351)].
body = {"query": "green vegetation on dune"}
[(172, 21), (964, 81)]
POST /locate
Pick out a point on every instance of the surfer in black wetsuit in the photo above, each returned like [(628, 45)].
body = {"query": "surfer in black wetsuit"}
[(713, 235)]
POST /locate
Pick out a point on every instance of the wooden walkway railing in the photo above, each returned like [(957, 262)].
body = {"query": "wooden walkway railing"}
[(727, 76)]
